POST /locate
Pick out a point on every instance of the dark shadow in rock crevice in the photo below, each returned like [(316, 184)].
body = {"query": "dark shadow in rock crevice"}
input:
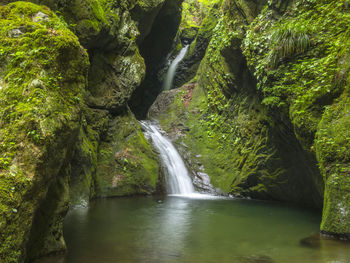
[(154, 49)]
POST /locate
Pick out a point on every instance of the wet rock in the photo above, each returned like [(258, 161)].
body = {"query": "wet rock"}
[(311, 241), (202, 183), (16, 32), (255, 259), (42, 139), (318, 241), (162, 103), (40, 16), (189, 34)]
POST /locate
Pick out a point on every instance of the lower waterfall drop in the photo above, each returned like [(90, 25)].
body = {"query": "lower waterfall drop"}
[(177, 178)]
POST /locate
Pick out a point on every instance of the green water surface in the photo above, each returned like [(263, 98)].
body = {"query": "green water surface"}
[(145, 229)]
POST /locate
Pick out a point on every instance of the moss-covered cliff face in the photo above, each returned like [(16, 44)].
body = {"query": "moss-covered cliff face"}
[(266, 112), (43, 74), (301, 61), (66, 132)]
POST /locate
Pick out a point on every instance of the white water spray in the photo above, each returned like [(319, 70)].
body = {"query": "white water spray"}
[(168, 82)]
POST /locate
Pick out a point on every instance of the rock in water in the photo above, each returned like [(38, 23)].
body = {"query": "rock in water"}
[(255, 259)]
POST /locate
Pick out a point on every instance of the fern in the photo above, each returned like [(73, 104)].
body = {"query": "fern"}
[(286, 42)]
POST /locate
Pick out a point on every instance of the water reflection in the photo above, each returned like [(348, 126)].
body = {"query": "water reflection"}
[(166, 238), (187, 230)]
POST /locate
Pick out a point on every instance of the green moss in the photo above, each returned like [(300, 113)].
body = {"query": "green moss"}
[(199, 45), (27, 57), (126, 75), (296, 68), (239, 141), (40, 104), (193, 12), (332, 144), (128, 166), (302, 71), (189, 33)]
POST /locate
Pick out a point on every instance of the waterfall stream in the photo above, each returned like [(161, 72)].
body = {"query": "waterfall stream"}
[(177, 177), (168, 82)]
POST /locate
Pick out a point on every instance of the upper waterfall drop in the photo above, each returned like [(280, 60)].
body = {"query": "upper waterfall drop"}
[(178, 179), (168, 82)]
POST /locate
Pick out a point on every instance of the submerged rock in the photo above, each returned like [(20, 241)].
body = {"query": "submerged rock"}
[(255, 259), (319, 241)]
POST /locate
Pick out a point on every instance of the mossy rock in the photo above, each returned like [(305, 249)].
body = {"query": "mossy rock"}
[(332, 148), (145, 13), (308, 83), (154, 49), (127, 164), (188, 34), (43, 75), (113, 78)]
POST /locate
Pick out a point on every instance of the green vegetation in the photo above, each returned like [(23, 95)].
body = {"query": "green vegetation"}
[(298, 54), (43, 73), (194, 11), (27, 76), (302, 71), (267, 112), (306, 47), (128, 166)]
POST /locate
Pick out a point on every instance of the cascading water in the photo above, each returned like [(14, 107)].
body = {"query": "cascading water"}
[(178, 179), (168, 82)]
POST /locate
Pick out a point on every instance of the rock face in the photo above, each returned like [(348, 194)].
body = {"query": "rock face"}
[(308, 81), (155, 48), (43, 74), (66, 132), (267, 114)]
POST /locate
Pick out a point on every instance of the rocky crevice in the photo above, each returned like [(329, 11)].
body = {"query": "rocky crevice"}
[(155, 48)]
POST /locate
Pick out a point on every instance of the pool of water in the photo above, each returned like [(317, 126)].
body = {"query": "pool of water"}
[(193, 230)]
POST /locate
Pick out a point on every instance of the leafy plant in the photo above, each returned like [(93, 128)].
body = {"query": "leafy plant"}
[(288, 40)]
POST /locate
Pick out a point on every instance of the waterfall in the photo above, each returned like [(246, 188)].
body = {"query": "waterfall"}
[(177, 177), (172, 69)]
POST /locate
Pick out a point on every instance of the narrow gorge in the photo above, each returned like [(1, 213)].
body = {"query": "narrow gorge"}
[(112, 112)]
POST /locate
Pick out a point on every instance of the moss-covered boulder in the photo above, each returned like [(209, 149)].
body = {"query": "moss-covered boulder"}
[(188, 34), (126, 163), (113, 79), (43, 73), (332, 149)]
